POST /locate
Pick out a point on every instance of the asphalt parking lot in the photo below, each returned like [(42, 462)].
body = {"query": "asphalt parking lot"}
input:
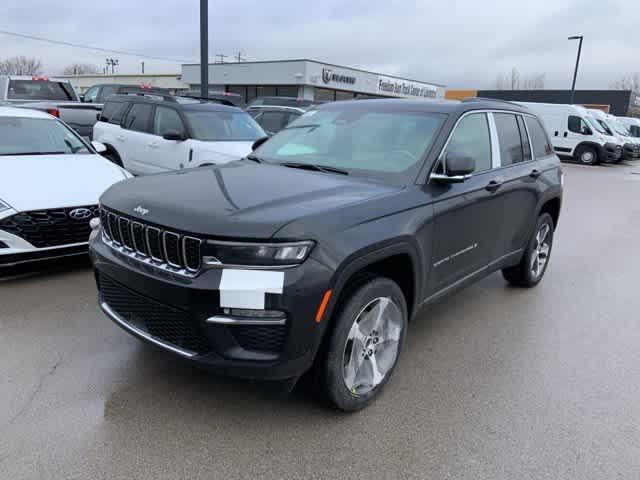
[(494, 383)]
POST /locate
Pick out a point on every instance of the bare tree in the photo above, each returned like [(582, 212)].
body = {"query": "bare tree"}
[(80, 69), (627, 82), (534, 82), (513, 81), (21, 65)]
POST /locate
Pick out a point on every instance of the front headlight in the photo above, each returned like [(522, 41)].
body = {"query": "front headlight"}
[(4, 206), (256, 254)]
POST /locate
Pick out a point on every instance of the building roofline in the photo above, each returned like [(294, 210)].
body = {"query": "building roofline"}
[(322, 63), (109, 75)]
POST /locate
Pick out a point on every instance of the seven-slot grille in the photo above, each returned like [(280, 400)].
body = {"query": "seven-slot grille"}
[(162, 246), (50, 228)]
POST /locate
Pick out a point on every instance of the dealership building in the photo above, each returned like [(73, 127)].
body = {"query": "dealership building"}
[(307, 79)]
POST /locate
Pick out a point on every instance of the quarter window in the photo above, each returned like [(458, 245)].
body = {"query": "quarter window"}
[(509, 138), (166, 120), (471, 137), (138, 117), (539, 139)]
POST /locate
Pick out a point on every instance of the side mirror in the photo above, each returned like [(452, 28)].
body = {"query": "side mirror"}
[(458, 168), (173, 135), (259, 142), (99, 146)]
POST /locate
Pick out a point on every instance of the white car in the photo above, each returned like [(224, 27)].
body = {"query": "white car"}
[(151, 133), (50, 182)]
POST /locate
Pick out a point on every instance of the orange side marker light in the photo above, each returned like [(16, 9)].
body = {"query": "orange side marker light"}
[(323, 305)]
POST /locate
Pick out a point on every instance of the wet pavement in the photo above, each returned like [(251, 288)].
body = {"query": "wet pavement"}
[(494, 382)]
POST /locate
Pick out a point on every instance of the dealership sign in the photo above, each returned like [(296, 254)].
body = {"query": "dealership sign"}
[(329, 76), (405, 88)]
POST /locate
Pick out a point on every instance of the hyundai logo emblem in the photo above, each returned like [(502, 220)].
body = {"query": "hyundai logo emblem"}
[(80, 213)]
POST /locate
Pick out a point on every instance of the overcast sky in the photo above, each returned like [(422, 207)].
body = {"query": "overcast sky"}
[(465, 43)]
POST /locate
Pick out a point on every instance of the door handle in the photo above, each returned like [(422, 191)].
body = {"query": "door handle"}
[(535, 173), (152, 145), (120, 137), (565, 134), (494, 185)]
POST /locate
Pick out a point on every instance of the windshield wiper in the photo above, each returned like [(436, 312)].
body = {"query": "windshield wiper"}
[(315, 167), (254, 158)]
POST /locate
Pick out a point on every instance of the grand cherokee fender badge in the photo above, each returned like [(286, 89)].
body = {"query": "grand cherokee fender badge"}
[(140, 210)]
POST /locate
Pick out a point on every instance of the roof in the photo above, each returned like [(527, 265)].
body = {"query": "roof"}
[(427, 106), (187, 103), (228, 64), (284, 108), (22, 112)]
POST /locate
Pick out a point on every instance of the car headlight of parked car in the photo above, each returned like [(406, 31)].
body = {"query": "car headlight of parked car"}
[(256, 254)]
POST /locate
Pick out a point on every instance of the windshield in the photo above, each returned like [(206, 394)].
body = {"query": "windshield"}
[(592, 121), (386, 145), (39, 90), (221, 126), (37, 136), (619, 127)]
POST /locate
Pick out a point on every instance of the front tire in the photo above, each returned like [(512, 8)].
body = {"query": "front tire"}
[(535, 259), (587, 155), (365, 344)]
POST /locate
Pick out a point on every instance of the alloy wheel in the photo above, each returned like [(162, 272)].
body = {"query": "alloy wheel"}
[(372, 346), (541, 250)]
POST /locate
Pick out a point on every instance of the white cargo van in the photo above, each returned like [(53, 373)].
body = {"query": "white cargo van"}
[(630, 145), (574, 133), (632, 124)]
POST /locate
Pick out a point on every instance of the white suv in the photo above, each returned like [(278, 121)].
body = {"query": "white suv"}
[(150, 133)]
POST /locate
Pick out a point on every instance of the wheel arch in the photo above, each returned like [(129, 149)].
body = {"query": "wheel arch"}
[(596, 146)]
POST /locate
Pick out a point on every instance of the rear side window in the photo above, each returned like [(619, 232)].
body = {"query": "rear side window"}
[(112, 112), (272, 121), (139, 117), (526, 147), (167, 120), (471, 137), (509, 138), (39, 90), (539, 139), (106, 91)]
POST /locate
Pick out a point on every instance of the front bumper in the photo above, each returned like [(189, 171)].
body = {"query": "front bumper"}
[(13, 257), (611, 152), (631, 151), (184, 316)]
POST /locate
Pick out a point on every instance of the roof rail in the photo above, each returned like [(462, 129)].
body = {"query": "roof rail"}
[(210, 99), (143, 93), (486, 99)]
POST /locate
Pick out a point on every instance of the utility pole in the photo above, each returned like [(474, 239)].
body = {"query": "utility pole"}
[(239, 57), (143, 68), (575, 72), (204, 48), (111, 62)]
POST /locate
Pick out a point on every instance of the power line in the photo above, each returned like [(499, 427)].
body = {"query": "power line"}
[(88, 47)]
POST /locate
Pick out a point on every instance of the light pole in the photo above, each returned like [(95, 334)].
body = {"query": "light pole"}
[(575, 72), (204, 48)]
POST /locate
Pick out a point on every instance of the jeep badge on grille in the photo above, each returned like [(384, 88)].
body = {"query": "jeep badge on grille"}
[(140, 210)]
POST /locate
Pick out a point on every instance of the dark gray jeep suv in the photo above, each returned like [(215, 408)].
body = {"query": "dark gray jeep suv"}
[(316, 251)]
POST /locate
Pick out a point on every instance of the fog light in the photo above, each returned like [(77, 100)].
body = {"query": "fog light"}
[(249, 313)]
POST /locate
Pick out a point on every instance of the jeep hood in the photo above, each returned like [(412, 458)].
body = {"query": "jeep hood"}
[(240, 200)]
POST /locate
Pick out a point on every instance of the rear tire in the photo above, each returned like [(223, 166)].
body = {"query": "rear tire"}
[(365, 344), (587, 155), (535, 259)]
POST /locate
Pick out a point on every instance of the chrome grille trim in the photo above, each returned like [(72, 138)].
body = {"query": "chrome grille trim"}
[(144, 253)]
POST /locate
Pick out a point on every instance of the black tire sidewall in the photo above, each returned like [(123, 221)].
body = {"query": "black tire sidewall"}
[(582, 150), (542, 219), (336, 389)]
